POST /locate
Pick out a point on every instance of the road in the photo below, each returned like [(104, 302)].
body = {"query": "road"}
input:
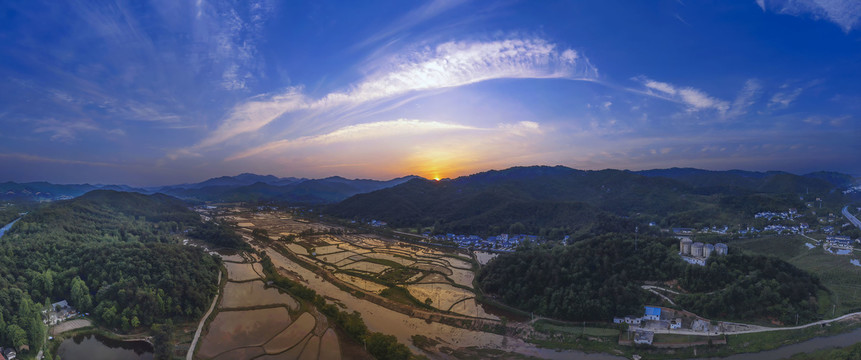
[(752, 328), (190, 354), (652, 289), (854, 220)]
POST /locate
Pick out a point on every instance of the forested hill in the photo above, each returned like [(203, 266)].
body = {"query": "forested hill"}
[(544, 197), (113, 254), (598, 278)]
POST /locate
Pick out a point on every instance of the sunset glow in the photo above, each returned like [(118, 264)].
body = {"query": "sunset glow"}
[(201, 89)]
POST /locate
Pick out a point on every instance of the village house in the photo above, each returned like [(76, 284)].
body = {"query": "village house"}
[(643, 337)]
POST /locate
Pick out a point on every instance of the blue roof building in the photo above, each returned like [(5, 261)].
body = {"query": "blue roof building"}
[(652, 313)]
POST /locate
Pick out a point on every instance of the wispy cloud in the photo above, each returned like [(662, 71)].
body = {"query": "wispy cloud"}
[(745, 98), (447, 65), (232, 32), (64, 131), (367, 131), (389, 129), (783, 99), (844, 13), (42, 159), (415, 17), (693, 98)]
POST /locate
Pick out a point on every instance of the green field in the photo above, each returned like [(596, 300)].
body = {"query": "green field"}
[(834, 271), (680, 339), (544, 326)]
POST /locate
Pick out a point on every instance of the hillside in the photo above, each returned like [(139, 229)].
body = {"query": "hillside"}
[(304, 191), (36, 191), (113, 254), (598, 278), (543, 197)]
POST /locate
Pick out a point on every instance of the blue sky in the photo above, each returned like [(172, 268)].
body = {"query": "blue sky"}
[(159, 92)]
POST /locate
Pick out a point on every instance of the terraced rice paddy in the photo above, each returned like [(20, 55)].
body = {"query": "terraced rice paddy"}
[(241, 272), (443, 296), (366, 267), (298, 249), (254, 322), (232, 258), (335, 257), (253, 293), (363, 284), (235, 329), (293, 335)]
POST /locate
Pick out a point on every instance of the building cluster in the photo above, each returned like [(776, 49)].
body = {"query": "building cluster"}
[(59, 312), (843, 242), (653, 318), (697, 252), (377, 223), (504, 242), (787, 215)]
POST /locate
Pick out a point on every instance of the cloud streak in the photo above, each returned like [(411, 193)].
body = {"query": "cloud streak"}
[(694, 99), (782, 100), (383, 129), (844, 13), (447, 65), (745, 98)]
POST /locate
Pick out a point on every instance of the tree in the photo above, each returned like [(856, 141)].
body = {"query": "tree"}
[(386, 347), (81, 298), (16, 335), (163, 340)]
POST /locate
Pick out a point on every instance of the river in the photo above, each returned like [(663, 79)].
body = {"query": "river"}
[(815, 344), (381, 319), (6, 228), (97, 347)]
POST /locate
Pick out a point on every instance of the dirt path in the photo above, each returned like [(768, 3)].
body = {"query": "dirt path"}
[(190, 354), (70, 325)]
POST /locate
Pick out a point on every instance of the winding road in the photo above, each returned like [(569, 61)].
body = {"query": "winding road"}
[(190, 354), (854, 220)]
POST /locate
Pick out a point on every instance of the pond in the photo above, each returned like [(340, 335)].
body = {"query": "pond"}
[(97, 347)]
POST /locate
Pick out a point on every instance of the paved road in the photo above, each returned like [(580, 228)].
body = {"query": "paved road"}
[(190, 354), (852, 218), (753, 328)]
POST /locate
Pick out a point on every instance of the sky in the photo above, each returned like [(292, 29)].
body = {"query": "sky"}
[(157, 92)]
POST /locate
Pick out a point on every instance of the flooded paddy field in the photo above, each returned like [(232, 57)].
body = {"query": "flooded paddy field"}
[(241, 272), (354, 270), (234, 329), (256, 322), (253, 293)]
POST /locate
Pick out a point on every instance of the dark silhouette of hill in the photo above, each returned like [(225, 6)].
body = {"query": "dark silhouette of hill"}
[(542, 197)]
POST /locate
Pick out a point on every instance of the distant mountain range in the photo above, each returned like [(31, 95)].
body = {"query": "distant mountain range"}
[(466, 199), (542, 198), (243, 187)]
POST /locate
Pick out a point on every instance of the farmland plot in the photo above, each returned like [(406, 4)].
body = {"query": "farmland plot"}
[(252, 293), (241, 272), (234, 329), (442, 296)]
